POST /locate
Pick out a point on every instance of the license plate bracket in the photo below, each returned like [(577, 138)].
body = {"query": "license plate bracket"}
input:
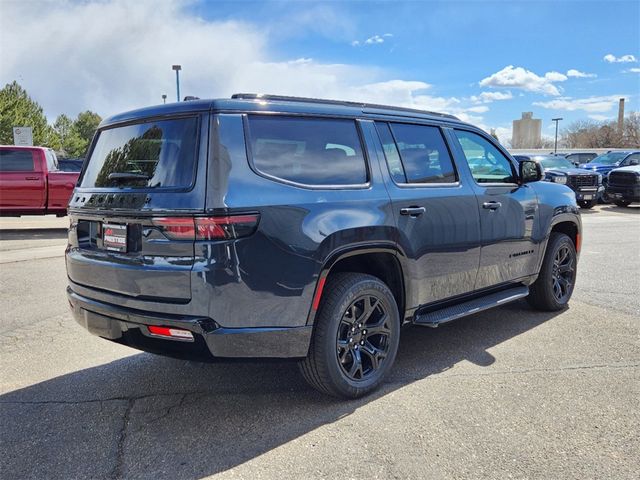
[(114, 237)]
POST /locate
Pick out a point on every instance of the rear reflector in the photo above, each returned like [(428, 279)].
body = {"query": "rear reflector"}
[(578, 242), (208, 228), (170, 332), (316, 298)]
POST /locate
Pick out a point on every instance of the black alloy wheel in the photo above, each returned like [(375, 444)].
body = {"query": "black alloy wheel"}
[(355, 336), (362, 342), (564, 274), (555, 283)]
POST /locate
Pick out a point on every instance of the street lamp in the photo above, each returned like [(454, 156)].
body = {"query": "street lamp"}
[(555, 144), (177, 68), (164, 98)]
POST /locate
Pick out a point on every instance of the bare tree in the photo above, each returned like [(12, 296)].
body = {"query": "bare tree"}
[(590, 134)]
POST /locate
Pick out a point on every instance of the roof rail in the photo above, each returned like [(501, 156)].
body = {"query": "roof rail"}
[(285, 98)]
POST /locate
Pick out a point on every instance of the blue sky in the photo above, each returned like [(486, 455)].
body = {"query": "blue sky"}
[(484, 61)]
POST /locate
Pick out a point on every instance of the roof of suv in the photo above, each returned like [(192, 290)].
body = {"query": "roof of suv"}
[(251, 102)]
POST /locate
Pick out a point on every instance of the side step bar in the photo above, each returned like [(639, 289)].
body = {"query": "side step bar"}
[(435, 318)]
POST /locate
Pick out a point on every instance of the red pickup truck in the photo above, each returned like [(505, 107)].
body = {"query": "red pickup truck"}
[(31, 183)]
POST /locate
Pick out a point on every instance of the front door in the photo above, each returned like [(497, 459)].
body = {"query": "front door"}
[(507, 209), (437, 215), (21, 184)]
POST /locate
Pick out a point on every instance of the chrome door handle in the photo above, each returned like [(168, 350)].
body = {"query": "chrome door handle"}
[(412, 211), (491, 205), (32, 178)]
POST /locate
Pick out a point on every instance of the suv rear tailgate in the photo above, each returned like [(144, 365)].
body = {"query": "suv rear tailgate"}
[(136, 174)]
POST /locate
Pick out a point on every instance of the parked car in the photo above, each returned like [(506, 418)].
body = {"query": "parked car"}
[(558, 169), (268, 226), (624, 185), (31, 182), (70, 164), (606, 162), (578, 158)]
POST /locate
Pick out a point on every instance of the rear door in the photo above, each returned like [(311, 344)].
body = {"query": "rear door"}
[(507, 210), (132, 229), (437, 214), (22, 181)]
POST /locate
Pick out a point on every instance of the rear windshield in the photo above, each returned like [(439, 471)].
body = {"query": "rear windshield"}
[(146, 155)]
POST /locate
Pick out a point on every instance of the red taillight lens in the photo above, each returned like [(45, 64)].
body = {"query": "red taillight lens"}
[(208, 228), (170, 332), (176, 228)]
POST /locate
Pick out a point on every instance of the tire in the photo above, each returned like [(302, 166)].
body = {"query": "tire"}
[(332, 363), (586, 204), (554, 286), (622, 203)]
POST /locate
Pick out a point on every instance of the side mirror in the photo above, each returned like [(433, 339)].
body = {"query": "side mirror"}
[(530, 171)]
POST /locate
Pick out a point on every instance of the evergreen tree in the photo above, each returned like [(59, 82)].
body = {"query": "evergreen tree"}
[(86, 125), (71, 144), (17, 109)]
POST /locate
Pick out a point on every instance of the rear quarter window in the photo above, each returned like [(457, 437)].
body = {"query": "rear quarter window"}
[(16, 160), (307, 151), (153, 154)]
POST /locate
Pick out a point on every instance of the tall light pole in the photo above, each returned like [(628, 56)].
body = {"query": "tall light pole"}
[(555, 144), (177, 68), (164, 98)]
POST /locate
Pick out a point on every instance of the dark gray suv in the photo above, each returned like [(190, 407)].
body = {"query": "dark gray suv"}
[(267, 226)]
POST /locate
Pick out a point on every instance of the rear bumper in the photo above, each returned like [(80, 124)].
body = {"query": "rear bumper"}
[(130, 327)]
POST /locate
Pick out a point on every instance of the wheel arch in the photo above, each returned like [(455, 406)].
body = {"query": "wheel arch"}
[(567, 223), (380, 261)]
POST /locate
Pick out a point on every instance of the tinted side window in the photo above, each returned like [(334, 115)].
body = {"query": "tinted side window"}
[(309, 151), (424, 154), (391, 153), (633, 159), (487, 163), (16, 160)]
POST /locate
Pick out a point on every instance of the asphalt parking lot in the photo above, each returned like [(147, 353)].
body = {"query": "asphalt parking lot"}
[(509, 393)]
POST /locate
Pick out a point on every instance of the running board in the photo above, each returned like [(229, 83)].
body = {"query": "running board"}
[(435, 318)]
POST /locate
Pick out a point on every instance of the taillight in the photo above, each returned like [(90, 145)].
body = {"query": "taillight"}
[(226, 227)]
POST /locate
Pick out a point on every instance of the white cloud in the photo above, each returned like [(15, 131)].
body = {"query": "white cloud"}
[(478, 109), (518, 77), (374, 40), (124, 61), (488, 97), (555, 76), (124, 58), (504, 134), (632, 70), (599, 118), (578, 74), (610, 58), (589, 104)]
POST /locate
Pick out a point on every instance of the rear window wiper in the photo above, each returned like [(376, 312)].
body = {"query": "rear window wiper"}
[(123, 176)]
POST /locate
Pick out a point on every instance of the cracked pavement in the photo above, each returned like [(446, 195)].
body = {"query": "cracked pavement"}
[(508, 393)]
